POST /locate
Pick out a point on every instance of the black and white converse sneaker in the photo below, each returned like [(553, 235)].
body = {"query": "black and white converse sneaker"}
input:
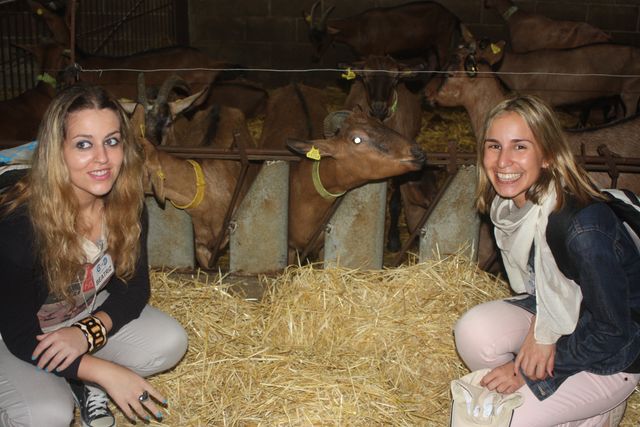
[(93, 404)]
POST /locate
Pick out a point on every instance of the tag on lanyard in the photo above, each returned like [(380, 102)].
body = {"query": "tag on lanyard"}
[(102, 271)]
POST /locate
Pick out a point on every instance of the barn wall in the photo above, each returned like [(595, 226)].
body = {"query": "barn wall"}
[(272, 33)]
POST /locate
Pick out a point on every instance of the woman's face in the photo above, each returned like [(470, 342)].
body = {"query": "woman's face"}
[(93, 152), (512, 157)]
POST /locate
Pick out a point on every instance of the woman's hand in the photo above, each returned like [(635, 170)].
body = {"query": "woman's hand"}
[(536, 360), (124, 387), (57, 349), (502, 379)]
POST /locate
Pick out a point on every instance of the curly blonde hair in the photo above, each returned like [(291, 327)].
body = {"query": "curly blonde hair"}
[(563, 171), (53, 206)]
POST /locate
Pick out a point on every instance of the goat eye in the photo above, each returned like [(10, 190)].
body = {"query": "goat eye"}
[(357, 140)]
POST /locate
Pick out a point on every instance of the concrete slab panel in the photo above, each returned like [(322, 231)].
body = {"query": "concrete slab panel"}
[(170, 242), (355, 235), (258, 238), (454, 222)]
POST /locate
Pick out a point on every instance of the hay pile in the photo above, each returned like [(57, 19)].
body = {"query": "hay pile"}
[(323, 347)]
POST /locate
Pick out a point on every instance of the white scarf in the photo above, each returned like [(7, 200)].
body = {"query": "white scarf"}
[(557, 297)]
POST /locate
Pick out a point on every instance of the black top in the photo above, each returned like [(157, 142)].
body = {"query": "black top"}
[(23, 289)]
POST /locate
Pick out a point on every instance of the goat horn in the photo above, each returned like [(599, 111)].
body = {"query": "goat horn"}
[(325, 15), (312, 13), (171, 82), (142, 91)]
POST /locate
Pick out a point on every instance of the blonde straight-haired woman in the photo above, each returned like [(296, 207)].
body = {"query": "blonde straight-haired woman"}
[(570, 341), (74, 321)]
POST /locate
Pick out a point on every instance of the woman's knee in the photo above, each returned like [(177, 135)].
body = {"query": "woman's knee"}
[(174, 342), (487, 335), (168, 347), (467, 340), (54, 411)]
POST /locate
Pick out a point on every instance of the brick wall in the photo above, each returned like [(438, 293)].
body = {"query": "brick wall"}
[(273, 34)]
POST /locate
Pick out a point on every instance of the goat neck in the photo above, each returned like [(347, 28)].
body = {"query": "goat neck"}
[(332, 181), (180, 184)]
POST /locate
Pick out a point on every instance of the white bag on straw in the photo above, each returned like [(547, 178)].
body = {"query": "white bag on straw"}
[(474, 405)]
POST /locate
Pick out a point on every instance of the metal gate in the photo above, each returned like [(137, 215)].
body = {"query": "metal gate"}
[(102, 27)]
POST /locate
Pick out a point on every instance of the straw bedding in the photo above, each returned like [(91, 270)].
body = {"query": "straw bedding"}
[(322, 347)]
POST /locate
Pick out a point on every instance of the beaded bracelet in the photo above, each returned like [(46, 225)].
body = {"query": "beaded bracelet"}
[(94, 331)]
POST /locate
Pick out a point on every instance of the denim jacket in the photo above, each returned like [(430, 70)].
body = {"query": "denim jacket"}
[(605, 263)]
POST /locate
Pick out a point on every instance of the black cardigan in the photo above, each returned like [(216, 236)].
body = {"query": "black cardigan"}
[(23, 289)]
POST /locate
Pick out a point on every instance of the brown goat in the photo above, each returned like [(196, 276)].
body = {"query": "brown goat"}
[(20, 116), (166, 121), (360, 151), (532, 31), (57, 25), (175, 179), (381, 90), (570, 76), (474, 87), (110, 71), (405, 31)]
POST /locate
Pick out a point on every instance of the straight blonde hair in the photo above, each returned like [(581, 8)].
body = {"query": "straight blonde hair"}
[(563, 171)]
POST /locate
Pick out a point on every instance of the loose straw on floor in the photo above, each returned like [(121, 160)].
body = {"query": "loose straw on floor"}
[(323, 347)]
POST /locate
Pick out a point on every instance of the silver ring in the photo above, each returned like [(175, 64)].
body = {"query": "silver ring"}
[(144, 396)]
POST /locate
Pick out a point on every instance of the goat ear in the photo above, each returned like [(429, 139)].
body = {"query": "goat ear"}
[(334, 120), (314, 149), (189, 102), (306, 17), (155, 175), (128, 105), (332, 31), (493, 52), (466, 34), (136, 117)]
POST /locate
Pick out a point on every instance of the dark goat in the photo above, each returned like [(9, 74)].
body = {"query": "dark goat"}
[(380, 89), (405, 31), (532, 31), (166, 121), (355, 149), (20, 116), (112, 74), (193, 63)]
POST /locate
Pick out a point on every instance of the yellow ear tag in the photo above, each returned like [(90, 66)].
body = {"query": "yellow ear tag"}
[(39, 11), (495, 49), (313, 154), (349, 75), (142, 130), (308, 19)]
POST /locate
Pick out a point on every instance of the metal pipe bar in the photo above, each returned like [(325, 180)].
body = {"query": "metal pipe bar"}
[(215, 248), (315, 238), (228, 154), (409, 242)]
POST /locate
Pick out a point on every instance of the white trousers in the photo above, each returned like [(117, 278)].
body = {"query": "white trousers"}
[(150, 344), (490, 334)]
